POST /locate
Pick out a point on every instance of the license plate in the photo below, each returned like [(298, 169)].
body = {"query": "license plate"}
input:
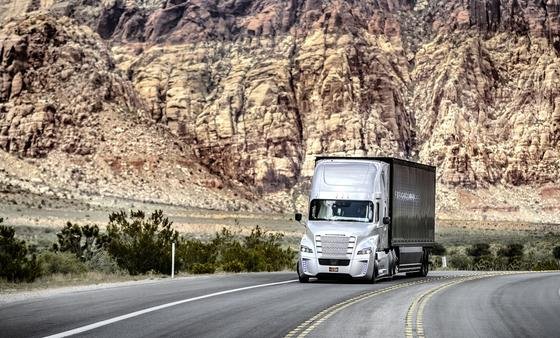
[(333, 269)]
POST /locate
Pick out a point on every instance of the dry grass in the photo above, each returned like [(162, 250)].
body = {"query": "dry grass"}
[(65, 280)]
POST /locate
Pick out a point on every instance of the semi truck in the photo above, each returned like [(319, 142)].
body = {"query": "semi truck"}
[(369, 218)]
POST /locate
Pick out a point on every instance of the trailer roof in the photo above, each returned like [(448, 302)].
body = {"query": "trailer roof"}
[(390, 160)]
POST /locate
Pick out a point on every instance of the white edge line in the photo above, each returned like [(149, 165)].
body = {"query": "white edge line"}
[(156, 308)]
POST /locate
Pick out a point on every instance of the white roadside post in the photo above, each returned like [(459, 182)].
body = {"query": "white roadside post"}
[(444, 262), (173, 260)]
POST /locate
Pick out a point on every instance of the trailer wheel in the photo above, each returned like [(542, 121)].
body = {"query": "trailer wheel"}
[(423, 268), (425, 265)]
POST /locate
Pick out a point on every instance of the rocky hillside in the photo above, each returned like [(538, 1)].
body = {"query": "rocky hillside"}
[(73, 124), (254, 89)]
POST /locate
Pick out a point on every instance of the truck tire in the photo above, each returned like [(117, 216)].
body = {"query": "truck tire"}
[(302, 279), (423, 269), (374, 276), (425, 266)]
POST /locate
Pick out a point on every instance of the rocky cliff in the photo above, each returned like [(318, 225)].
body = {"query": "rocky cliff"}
[(254, 89), (82, 126)]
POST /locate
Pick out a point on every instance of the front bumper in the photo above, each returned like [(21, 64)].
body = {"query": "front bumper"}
[(358, 268)]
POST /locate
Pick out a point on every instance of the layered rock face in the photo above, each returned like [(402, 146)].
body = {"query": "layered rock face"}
[(83, 128), (487, 93), (260, 87), (255, 89), (57, 82)]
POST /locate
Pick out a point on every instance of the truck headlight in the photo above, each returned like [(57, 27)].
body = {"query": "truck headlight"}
[(364, 251), (304, 248)]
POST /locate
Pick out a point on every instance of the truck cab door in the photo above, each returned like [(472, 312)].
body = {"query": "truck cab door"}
[(384, 209)]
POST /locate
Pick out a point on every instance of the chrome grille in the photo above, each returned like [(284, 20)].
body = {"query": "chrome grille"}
[(333, 245)]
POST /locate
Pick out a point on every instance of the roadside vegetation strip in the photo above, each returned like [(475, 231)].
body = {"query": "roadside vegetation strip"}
[(309, 325), (415, 328), (159, 307)]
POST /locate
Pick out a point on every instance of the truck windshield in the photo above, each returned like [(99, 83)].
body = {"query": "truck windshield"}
[(341, 210)]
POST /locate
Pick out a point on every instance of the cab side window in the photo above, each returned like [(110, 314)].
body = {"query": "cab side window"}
[(377, 212)]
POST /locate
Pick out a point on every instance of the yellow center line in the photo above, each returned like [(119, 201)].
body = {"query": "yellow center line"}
[(309, 325), (419, 302)]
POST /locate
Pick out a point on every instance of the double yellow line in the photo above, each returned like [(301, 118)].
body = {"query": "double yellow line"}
[(414, 325), (309, 325), (415, 328)]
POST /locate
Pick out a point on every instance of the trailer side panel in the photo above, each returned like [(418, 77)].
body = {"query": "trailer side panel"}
[(412, 204)]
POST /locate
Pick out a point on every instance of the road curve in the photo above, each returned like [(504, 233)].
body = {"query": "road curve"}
[(267, 304), (519, 305)]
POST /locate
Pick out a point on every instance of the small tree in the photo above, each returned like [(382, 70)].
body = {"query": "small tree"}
[(139, 243), (438, 249), (479, 250), (15, 263), (514, 254), (83, 241)]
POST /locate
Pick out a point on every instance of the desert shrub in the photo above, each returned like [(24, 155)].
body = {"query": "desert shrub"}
[(199, 268), (460, 261), (486, 263), (60, 262), (266, 253), (511, 251), (479, 250), (435, 262), (193, 251), (556, 252), (102, 261), (83, 241), (16, 264), (547, 263), (438, 249), (230, 252), (233, 266), (139, 243)]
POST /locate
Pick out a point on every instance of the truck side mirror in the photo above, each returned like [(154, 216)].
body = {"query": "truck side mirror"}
[(298, 217), (386, 220)]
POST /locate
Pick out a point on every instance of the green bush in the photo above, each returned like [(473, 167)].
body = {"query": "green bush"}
[(545, 264), (193, 251), (511, 251), (140, 244), (60, 262), (103, 262), (232, 253), (438, 249), (83, 241), (556, 252), (479, 250), (233, 266), (460, 262), (16, 264), (200, 268), (485, 263), (266, 253)]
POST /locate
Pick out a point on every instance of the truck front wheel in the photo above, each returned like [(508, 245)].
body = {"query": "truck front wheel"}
[(374, 275), (302, 278)]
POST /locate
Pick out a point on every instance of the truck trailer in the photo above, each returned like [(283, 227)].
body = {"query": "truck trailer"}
[(369, 218)]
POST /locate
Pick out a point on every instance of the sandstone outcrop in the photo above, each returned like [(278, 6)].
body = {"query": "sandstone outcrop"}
[(70, 123), (255, 89)]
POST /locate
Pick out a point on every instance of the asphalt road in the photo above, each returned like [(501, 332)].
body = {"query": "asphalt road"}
[(445, 304)]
